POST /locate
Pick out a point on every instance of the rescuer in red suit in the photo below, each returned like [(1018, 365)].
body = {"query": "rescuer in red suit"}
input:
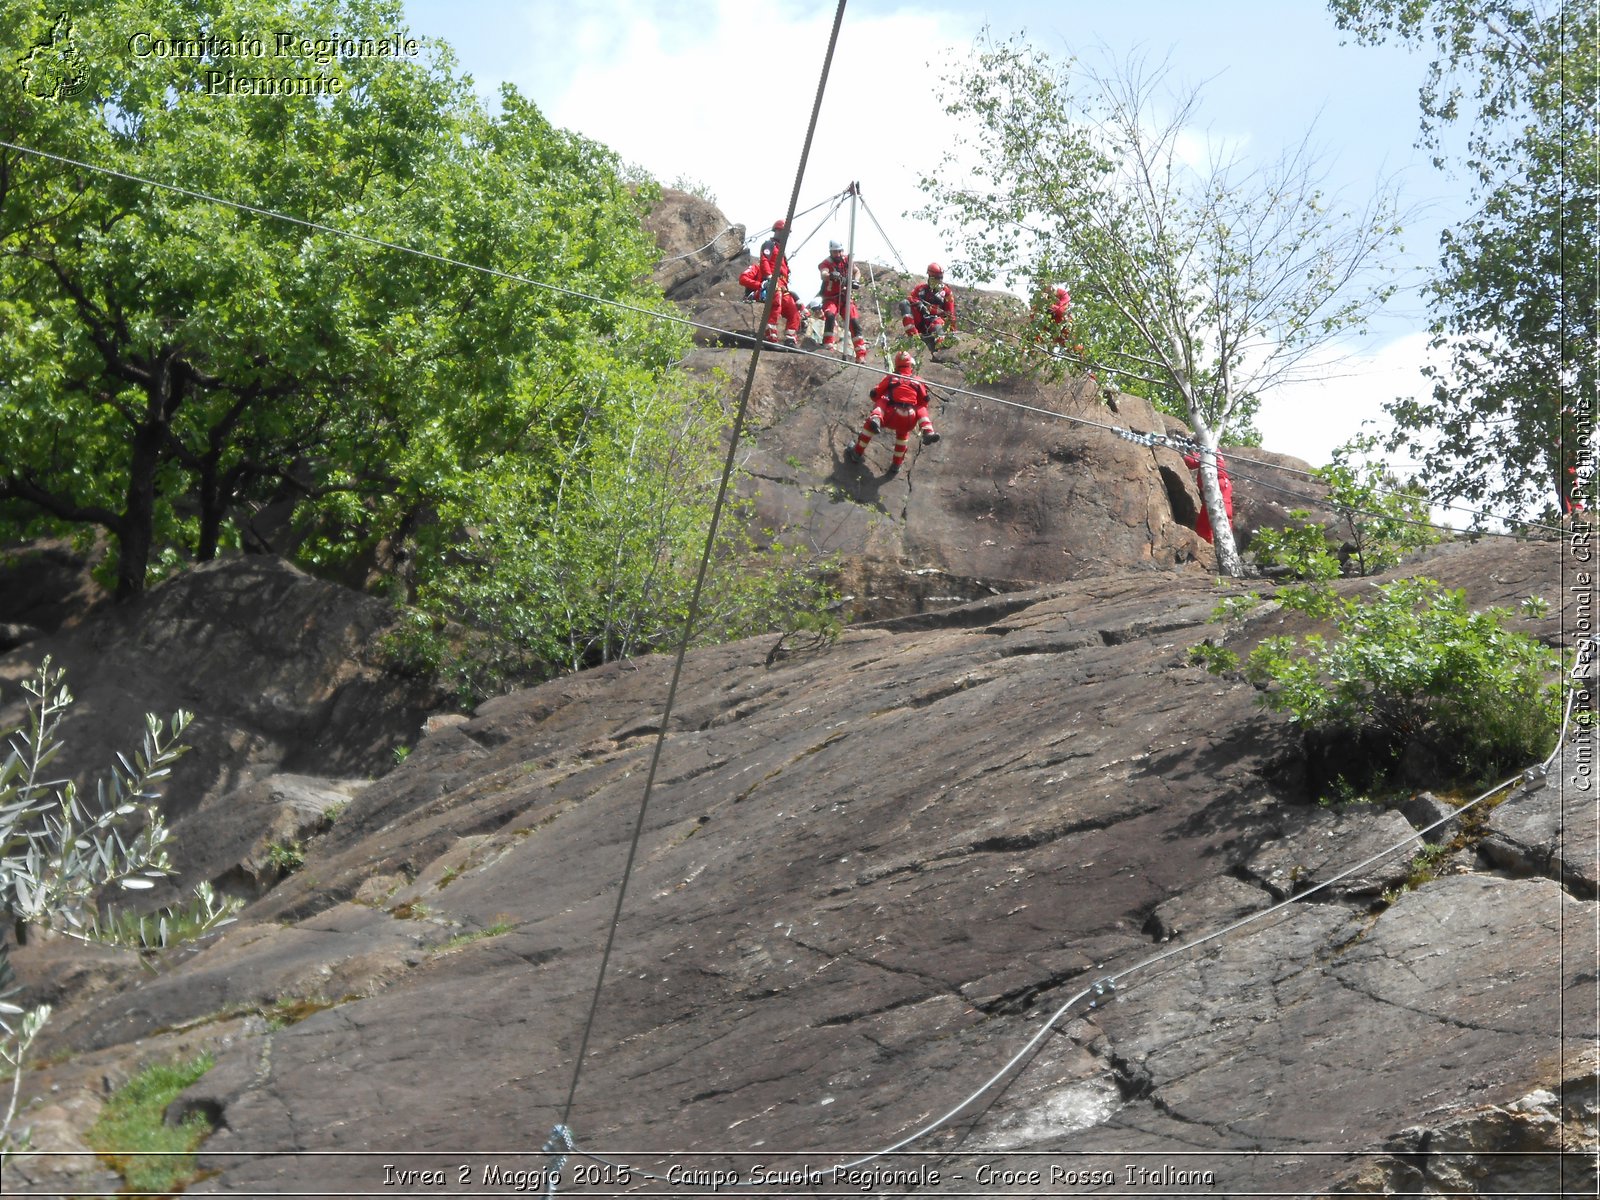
[(768, 279), (929, 312), (835, 270), (899, 401), (1059, 313)]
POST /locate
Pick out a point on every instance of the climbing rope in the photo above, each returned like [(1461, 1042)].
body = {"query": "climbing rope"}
[(693, 609), (652, 313), (707, 246)]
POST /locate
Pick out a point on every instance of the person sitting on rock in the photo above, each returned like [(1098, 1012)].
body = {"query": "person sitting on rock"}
[(899, 401), (1202, 524), (768, 279), (929, 312), (837, 270)]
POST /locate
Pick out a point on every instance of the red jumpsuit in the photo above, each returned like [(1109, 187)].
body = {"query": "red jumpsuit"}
[(929, 313), (780, 302), (835, 270), (1202, 524), (1059, 312), (901, 403)]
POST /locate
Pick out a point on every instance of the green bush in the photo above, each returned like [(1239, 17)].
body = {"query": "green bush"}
[(1379, 521), (1412, 674), (596, 559)]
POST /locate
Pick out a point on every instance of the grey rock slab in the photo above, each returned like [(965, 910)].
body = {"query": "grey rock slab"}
[(1319, 846), (1552, 830)]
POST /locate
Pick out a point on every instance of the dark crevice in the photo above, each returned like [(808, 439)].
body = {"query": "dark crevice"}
[(695, 772), (1031, 839), (977, 613), (1145, 629), (648, 729), (863, 1014), (1021, 1000)]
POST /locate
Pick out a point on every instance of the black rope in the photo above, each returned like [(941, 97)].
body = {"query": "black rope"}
[(699, 585)]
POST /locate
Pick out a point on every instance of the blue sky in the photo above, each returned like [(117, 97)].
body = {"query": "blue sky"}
[(718, 91)]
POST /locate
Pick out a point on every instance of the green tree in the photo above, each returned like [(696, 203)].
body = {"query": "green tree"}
[(1514, 298), (169, 365), (591, 553), (1218, 281), (1380, 520)]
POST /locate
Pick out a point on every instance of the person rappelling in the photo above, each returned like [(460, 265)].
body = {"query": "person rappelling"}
[(929, 312), (839, 276), (768, 279), (899, 401)]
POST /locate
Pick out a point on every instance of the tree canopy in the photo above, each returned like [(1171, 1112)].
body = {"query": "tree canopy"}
[(171, 366), (1514, 298), (1212, 280)]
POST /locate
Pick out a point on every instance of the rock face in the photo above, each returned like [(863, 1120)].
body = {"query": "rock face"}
[(1029, 485), (284, 673), (871, 874)]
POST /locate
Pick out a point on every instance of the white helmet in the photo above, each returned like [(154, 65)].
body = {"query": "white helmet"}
[(835, 247)]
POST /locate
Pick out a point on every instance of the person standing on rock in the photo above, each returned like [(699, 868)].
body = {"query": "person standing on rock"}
[(929, 312), (1202, 524), (899, 401), (768, 277), (837, 270)]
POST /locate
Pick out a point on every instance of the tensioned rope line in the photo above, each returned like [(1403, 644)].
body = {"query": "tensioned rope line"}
[(1235, 457), (1104, 988), (657, 314), (562, 1130), (1369, 512), (707, 246), (510, 276)]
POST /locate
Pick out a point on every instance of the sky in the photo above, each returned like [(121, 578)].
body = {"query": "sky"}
[(718, 93)]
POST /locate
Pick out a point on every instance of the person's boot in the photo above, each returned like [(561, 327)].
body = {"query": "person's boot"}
[(855, 455), (894, 469), (929, 437)]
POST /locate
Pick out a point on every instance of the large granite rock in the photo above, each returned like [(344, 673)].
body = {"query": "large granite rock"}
[(869, 876), (284, 673)]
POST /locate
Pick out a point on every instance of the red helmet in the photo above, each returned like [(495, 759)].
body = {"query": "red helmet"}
[(1061, 291), (935, 271), (777, 226), (904, 364)]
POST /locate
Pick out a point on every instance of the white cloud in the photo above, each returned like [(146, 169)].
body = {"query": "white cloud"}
[(722, 94), (1310, 417)]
